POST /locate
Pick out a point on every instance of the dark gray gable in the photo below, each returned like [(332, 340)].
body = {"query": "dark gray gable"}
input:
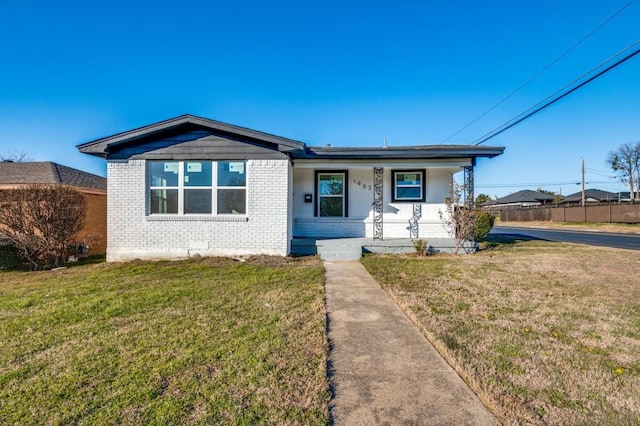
[(212, 147), (191, 137)]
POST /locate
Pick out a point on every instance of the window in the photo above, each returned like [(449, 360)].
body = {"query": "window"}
[(408, 185), (197, 187), (331, 194)]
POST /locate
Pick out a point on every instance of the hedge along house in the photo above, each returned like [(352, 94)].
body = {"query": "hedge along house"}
[(92, 187), (191, 185)]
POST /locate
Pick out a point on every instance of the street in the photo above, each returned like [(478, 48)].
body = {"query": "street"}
[(607, 239)]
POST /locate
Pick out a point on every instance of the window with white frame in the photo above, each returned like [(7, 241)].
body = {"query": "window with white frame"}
[(408, 185), (197, 187)]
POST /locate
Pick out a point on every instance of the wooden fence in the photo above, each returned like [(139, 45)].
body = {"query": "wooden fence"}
[(607, 213)]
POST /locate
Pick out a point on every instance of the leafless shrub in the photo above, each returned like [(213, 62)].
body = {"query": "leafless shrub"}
[(40, 220), (458, 219)]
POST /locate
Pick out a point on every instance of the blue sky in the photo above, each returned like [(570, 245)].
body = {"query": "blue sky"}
[(344, 73)]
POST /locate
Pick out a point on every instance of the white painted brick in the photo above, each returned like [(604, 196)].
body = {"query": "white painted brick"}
[(131, 234)]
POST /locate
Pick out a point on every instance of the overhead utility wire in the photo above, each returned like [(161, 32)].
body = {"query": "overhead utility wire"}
[(536, 108), (536, 75), (529, 185), (600, 173)]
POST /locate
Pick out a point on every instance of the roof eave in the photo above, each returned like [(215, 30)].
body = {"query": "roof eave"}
[(420, 152), (101, 147)]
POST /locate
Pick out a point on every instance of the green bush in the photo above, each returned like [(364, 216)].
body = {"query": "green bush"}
[(483, 224), (10, 257), (421, 247)]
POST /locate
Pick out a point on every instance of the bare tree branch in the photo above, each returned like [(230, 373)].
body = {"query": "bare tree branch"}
[(625, 161), (40, 220), (16, 156), (458, 219)]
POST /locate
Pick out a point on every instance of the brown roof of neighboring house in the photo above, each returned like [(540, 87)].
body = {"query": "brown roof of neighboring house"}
[(20, 173)]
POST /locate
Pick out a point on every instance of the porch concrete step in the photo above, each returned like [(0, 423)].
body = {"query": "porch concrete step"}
[(343, 249), (340, 256), (329, 249)]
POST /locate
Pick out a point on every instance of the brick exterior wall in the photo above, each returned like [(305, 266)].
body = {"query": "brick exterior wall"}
[(355, 228), (132, 233)]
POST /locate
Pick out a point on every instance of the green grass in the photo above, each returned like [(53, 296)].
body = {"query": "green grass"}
[(203, 341), (546, 333)]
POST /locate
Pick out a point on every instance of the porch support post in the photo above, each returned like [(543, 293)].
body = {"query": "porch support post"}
[(378, 176), (414, 231), (468, 189), (468, 185)]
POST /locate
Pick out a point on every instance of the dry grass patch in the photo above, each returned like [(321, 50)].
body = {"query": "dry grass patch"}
[(203, 341), (546, 333)]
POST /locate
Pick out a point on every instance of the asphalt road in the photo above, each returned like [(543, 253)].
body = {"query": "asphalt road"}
[(607, 239)]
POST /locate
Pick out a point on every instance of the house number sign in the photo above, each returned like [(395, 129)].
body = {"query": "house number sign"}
[(363, 185)]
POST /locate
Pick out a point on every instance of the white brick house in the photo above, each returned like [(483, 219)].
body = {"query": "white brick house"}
[(192, 185)]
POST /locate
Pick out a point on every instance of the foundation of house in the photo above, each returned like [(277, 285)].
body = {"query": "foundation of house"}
[(353, 248)]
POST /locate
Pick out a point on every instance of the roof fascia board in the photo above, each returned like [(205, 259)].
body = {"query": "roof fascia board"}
[(387, 163), (408, 152), (101, 146)]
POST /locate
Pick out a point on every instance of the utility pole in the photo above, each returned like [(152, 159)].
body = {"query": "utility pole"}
[(584, 204), (583, 198)]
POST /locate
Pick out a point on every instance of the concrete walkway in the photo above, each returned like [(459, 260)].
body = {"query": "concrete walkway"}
[(384, 371)]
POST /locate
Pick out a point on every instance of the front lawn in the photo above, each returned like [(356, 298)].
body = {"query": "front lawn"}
[(545, 333), (202, 341)]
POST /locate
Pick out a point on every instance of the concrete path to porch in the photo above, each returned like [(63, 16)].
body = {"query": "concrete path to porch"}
[(383, 370)]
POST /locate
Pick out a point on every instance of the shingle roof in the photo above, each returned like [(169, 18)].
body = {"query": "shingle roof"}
[(525, 196), (595, 194), (48, 172), (105, 147)]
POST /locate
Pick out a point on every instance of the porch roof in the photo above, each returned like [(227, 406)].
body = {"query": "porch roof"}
[(432, 152)]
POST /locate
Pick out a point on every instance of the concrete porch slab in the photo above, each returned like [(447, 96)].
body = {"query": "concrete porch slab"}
[(353, 248)]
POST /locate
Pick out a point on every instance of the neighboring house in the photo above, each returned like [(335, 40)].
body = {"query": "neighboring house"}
[(592, 196), (191, 185), (524, 198), (93, 187)]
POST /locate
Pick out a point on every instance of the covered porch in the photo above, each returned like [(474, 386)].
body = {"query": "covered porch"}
[(377, 200)]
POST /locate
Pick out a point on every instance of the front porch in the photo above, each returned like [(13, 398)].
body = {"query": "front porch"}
[(353, 248)]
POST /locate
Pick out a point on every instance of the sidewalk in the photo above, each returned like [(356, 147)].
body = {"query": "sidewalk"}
[(384, 371)]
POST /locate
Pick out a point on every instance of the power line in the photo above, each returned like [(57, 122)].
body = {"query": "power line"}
[(545, 68), (524, 185), (600, 173), (529, 185), (537, 108)]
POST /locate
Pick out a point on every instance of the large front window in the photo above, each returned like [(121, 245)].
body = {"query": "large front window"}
[(198, 187), (331, 194)]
